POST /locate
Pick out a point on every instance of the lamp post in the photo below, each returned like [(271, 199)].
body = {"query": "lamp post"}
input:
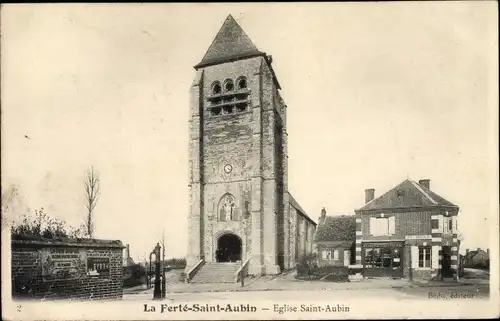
[(157, 289)]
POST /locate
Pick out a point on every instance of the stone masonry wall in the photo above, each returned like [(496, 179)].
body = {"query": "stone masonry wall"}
[(59, 270), (294, 242), (254, 143)]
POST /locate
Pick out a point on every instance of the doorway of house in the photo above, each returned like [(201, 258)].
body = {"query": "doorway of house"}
[(228, 248), (446, 262)]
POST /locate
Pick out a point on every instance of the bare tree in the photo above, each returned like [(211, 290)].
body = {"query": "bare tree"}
[(92, 193), (9, 199)]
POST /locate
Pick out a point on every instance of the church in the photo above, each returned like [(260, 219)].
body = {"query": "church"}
[(242, 215)]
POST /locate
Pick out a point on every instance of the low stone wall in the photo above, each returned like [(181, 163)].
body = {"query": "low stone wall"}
[(79, 269)]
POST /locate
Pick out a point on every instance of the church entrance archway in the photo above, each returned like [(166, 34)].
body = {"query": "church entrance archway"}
[(228, 248)]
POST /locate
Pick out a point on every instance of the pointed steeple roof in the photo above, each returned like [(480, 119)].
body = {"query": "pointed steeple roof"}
[(231, 43), (407, 194)]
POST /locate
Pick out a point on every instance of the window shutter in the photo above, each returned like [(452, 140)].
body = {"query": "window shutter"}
[(414, 257), (392, 225), (373, 228), (435, 257), (347, 258)]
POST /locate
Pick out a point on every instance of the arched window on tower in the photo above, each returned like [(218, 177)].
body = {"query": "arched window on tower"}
[(232, 97), (228, 85), (227, 208), (216, 88), (241, 83)]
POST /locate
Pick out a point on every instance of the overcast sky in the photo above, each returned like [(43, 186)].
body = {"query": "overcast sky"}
[(376, 93)]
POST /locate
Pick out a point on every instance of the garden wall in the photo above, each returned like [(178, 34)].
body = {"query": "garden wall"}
[(81, 269)]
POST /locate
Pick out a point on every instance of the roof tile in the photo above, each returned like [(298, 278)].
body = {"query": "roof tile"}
[(407, 194), (230, 43), (337, 228)]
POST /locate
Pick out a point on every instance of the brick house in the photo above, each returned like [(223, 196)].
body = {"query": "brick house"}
[(240, 207), (335, 237), (410, 231)]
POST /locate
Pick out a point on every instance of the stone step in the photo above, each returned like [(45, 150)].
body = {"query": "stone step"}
[(212, 272)]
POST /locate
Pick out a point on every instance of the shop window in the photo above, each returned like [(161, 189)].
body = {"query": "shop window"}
[(383, 257), (377, 258), (386, 257), (396, 258), (369, 258), (424, 256)]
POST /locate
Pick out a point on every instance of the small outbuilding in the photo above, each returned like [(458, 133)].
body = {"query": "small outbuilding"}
[(335, 239)]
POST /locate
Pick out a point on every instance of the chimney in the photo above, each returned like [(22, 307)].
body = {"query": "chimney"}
[(488, 252), (425, 183), (127, 252), (466, 251), (369, 195), (322, 216), (478, 249)]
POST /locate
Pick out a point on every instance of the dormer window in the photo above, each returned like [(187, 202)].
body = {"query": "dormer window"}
[(216, 88), (228, 85)]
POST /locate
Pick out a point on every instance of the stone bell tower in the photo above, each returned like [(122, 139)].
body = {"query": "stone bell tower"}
[(237, 157)]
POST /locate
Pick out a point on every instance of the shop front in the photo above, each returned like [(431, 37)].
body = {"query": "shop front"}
[(383, 259)]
